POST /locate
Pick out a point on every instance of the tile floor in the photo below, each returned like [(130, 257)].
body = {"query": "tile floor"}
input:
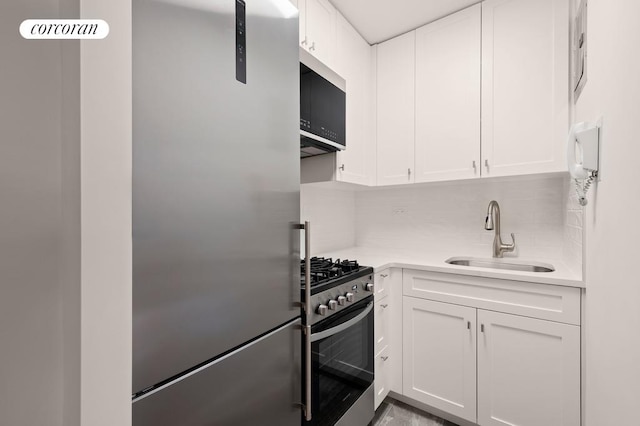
[(396, 413)]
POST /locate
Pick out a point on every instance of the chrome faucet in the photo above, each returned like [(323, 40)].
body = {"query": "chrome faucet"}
[(490, 223)]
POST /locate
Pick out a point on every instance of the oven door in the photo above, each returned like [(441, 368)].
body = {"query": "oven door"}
[(342, 361)]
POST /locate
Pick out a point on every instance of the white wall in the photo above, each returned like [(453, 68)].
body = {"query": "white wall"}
[(31, 333), (106, 217), (70, 251), (332, 216), (451, 216), (65, 357), (612, 219)]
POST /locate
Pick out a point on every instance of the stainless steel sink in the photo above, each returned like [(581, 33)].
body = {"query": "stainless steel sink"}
[(511, 265)]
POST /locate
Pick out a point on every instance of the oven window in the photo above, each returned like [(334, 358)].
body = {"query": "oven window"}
[(342, 365)]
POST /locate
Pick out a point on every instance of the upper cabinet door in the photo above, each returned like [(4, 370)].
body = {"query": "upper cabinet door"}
[(447, 104), (395, 110), (525, 94), (320, 28), (302, 9), (353, 63)]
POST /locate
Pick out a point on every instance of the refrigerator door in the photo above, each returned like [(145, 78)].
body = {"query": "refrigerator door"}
[(259, 385), (215, 179)]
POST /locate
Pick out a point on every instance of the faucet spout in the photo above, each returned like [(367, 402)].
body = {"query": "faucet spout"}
[(492, 222), (488, 222)]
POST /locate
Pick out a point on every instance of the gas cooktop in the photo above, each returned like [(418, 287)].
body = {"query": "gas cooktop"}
[(326, 273)]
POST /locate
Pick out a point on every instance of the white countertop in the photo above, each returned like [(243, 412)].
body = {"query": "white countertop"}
[(381, 259)]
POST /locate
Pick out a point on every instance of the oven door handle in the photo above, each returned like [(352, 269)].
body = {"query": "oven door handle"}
[(338, 328)]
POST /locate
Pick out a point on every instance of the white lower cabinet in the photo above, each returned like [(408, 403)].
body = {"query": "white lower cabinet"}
[(382, 318), (382, 366), (439, 356), (486, 367), (528, 371), (387, 350)]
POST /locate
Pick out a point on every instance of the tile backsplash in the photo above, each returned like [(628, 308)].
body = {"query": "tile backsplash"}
[(540, 211), (451, 215), (573, 229)]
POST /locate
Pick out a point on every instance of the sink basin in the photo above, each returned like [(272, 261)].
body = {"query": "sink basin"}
[(511, 265)]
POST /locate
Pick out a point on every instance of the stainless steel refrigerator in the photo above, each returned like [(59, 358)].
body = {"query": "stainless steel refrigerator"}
[(216, 282)]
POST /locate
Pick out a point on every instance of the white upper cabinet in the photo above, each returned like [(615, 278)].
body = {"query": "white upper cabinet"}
[(482, 92), (395, 110), (318, 28), (525, 95), (447, 103), (356, 164)]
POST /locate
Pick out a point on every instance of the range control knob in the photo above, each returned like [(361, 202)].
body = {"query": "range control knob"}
[(369, 287), (322, 310), (342, 300), (349, 297), (332, 305)]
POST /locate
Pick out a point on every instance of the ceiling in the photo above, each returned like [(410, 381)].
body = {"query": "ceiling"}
[(380, 20)]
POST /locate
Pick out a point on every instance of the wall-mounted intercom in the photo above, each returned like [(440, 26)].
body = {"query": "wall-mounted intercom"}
[(583, 153)]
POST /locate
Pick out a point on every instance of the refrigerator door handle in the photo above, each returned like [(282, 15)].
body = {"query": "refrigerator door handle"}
[(307, 272), (307, 327)]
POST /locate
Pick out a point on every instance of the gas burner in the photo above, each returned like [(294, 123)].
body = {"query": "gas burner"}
[(326, 269)]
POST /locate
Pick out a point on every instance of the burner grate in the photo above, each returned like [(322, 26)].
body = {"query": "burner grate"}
[(326, 269)]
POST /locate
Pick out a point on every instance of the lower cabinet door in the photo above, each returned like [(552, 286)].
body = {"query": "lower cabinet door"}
[(439, 355), (528, 371), (382, 318), (381, 383)]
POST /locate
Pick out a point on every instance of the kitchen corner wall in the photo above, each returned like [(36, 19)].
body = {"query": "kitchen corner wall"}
[(331, 213), (612, 232), (451, 216), (105, 172)]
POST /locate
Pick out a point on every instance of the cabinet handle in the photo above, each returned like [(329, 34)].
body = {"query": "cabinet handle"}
[(468, 325), (313, 46), (482, 328), (384, 358), (486, 164), (384, 306), (304, 42), (341, 167), (409, 173), (475, 168), (384, 275)]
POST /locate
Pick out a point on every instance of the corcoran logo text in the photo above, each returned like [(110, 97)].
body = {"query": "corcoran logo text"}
[(64, 29)]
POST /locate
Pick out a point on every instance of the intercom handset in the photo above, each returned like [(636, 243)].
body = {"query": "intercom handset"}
[(582, 157)]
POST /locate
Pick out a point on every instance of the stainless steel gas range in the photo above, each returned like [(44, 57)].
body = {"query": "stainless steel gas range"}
[(340, 343)]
